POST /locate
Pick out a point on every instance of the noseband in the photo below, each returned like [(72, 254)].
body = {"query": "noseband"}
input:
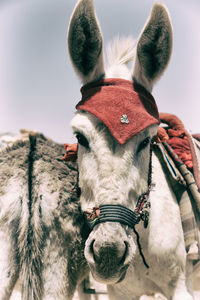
[(112, 213)]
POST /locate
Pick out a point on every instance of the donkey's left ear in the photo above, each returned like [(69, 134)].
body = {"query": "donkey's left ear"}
[(85, 42), (154, 47)]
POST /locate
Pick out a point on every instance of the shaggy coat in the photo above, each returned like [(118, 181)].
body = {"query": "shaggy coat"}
[(41, 241)]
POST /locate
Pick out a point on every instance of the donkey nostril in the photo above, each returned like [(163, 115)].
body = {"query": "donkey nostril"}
[(125, 253), (92, 246), (92, 251)]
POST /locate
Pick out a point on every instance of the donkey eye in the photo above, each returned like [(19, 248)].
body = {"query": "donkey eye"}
[(82, 140), (144, 144)]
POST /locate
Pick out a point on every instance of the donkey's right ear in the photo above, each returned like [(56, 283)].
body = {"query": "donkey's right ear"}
[(85, 42)]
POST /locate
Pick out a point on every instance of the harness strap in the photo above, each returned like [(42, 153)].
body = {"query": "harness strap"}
[(182, 185)]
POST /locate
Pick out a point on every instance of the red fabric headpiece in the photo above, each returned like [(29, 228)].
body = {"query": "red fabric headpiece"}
[(126, 108)]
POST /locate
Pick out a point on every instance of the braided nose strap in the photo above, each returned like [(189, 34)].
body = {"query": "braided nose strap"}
[(116, 213), (112, 213)]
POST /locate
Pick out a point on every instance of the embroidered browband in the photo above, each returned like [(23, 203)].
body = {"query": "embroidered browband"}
[(126, 108)]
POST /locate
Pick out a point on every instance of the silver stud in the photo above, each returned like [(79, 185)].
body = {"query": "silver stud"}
[(124, 119)]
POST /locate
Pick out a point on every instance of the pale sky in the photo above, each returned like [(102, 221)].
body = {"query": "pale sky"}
[(38, 87)]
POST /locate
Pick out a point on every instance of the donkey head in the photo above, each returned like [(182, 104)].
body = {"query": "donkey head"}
[(114, 146)]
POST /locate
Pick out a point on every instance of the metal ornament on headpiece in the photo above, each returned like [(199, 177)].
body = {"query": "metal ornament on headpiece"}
[(126, 108)]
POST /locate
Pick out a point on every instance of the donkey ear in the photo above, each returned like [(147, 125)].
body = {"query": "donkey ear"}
[(85, 42), (154, 47)]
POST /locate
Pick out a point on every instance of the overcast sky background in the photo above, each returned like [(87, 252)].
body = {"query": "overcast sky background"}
[(38, 87)]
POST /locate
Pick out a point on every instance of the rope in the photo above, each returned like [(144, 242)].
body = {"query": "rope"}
[(140, 248)]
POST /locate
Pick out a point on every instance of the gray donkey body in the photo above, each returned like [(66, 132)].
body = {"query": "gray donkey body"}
[(41, 241)]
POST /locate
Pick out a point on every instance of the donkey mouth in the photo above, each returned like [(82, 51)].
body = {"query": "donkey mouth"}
[(108, 274)]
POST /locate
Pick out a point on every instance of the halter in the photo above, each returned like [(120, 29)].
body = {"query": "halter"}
[(120, 213), (124, 215)]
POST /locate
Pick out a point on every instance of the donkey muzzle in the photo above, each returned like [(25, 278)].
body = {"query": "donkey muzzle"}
[(109, 251)]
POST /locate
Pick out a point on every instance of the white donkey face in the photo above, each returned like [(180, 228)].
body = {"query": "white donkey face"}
[(109, 172)]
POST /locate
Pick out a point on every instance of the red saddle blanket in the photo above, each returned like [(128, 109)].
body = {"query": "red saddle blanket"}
[(183, 144)]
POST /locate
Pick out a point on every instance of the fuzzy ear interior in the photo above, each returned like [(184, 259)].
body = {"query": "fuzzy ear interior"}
[(154, 47), (85, 42)]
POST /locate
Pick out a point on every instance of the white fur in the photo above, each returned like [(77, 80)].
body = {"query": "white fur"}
[(119, 54), (110, 173)]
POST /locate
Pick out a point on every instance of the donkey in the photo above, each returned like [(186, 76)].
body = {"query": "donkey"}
[(136, 243), (41, 225)]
